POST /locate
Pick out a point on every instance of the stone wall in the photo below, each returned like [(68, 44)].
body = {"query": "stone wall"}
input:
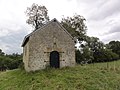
[(26, 57)]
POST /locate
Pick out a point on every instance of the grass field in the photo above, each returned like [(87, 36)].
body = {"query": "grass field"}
[(99, 76)]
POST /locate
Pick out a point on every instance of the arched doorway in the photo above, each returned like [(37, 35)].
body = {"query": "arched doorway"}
[(54, 59)]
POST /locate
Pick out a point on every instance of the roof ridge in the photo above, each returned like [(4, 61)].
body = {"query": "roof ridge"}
[(53, 20)]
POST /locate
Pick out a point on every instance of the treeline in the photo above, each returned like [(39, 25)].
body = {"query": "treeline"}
[(93, 50), (11, 61)]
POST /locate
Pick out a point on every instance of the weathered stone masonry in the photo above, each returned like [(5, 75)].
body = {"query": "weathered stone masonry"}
[(38, 45)]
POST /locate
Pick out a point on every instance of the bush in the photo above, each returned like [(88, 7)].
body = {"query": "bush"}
[(10, 62), (84, 56), (105, 55)]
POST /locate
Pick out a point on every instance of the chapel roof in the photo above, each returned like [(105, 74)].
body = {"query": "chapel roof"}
[(26, 39)]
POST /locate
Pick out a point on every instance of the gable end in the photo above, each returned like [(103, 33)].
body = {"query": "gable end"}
[(26, 39)]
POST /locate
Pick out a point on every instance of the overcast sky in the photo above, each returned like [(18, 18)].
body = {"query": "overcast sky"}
[(103, 19)]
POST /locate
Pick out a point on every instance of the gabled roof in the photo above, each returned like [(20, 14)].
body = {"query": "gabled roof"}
[(26, 39)]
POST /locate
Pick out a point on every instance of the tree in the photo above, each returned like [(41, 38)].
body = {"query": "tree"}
[(99, 50), (37, 15), (1, 53), (78, 56), (11, 61), (114, 46), (94, 43), (14, 61), (75, 26), (94, 46)]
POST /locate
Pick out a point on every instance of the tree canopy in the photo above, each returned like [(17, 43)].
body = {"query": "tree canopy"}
[(11, 61), (1, 52), (114, 46), (37, 15), (75, 26)]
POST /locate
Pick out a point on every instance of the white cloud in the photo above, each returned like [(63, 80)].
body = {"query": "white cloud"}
[(103, 18), (104, 9)]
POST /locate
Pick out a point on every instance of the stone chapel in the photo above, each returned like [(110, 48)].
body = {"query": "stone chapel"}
[(50, 45)]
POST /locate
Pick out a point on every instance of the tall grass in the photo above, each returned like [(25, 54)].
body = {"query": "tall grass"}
[(99, 76)]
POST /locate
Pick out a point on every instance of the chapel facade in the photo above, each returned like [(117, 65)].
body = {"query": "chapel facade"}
[(50, 45)]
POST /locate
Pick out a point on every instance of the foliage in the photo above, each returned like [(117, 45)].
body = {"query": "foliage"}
[(1, 53), (84, 56), (89, 77), (114, 46), (94, 43), (38, 15), (5, 63), (105, 55), (10, 61), (78, 56), (75, 26), (93, 50)]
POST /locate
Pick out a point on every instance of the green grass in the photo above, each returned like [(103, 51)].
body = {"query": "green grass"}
[(99, 76)]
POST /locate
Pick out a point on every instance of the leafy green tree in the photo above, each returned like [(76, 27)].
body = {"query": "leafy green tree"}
[(5, 63), (87, 54), (78, 56), (16, 60), (114, 46), (12, 61), (94, 43), (75, 26), (37, 15), (1, 53), (110, 56), (94, 47), (84, 55)]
